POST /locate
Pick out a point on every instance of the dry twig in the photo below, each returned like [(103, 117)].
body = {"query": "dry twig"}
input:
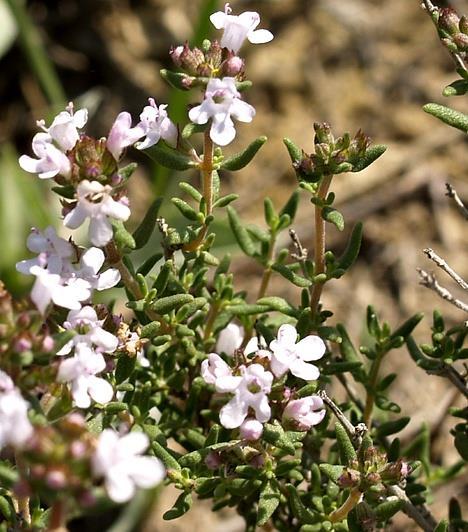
[(429, 281), (452, 193), (444, 266)]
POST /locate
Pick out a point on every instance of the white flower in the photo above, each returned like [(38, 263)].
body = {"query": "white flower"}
[(53, 251), (119, 461), (90, 263), (250, 392), (230, 339), (215, 371), (67, 293), (292, 356), (89, 332), (64, 128), (80, 370), (15, 427), (304, 413), (95, 202), (50, 160), (222, 100), (156, 125), (122, 134), (238, 28)]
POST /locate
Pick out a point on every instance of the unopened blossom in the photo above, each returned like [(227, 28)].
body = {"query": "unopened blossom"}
[(89, 332), (122, 134), (65, 126), (80, 371), (222, 101), (304, 413), (249, 393), (215, 371), (15, 427), (237, 28), (94, 201), (230, 339), (294, 357), (156, 125), (50, 160), (251, 429), (118, 460)]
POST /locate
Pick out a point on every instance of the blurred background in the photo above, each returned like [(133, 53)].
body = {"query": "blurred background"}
[(365, 64)]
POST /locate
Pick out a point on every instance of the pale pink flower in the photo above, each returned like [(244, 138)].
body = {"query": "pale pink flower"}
[(251, 429), (237, 28), (156, 125), (230, 339), (64, 128), (215, 371), (15, 427), (222, 100), (50, 160), (304, 413), (80, 371), (119, 461), (291, 356), (95, 201), (122, 134)]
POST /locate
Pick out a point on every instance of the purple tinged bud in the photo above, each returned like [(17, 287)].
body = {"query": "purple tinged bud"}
[(233, 66), (56, 479), (251, 429), (48, 344), (350, 478), (258, 461), (22, 344), (213, 460), (461, 40), (87, 499), (449, 20), (78, 449), (175, 54)]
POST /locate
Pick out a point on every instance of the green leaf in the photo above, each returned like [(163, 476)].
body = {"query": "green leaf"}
[(8, 477), (333, 472), (345, 446), (352, 249), (143, 232), (303, 514), (408, 326), (225, 200), (123, 239), (443, 526), (456, 88), (178, 80), (279, 304), (170, 158), (125, 366), (181, 506), (165, 456), (170, 303), (191, 191), (190, 129), (334, 217), (271, 217), (146, 267), (240, 233), (268, 502), (386, 510), (288, 274), (392, 427), (290, 207), (242, 159), (294, 151), (6, 508), (185, 209), (246, 309), (371, 155), (273, 433), (448, 116)]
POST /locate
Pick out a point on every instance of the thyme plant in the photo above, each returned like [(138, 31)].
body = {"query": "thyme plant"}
[(226, 395)]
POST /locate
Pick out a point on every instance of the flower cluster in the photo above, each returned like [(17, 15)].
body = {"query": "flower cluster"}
[(251, 383)]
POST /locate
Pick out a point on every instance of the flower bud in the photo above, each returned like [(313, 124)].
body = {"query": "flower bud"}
[(251, 429), (448, 20), (233, 66), (213, 460), (22, 344), (350, 478), (461, 40), (463, 24), (56, 479), (175, 54), (302, 414)]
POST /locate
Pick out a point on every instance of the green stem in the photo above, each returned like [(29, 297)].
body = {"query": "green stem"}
[(213, 312), (33, 47), (320, 244), (370, 398), (206, 168), (342, 512)]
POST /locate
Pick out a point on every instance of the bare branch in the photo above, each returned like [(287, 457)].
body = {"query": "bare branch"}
[(429, 281), (449, 372), (301, 252), (419, 514), (452, 193), (429, 6), (444, 266)]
